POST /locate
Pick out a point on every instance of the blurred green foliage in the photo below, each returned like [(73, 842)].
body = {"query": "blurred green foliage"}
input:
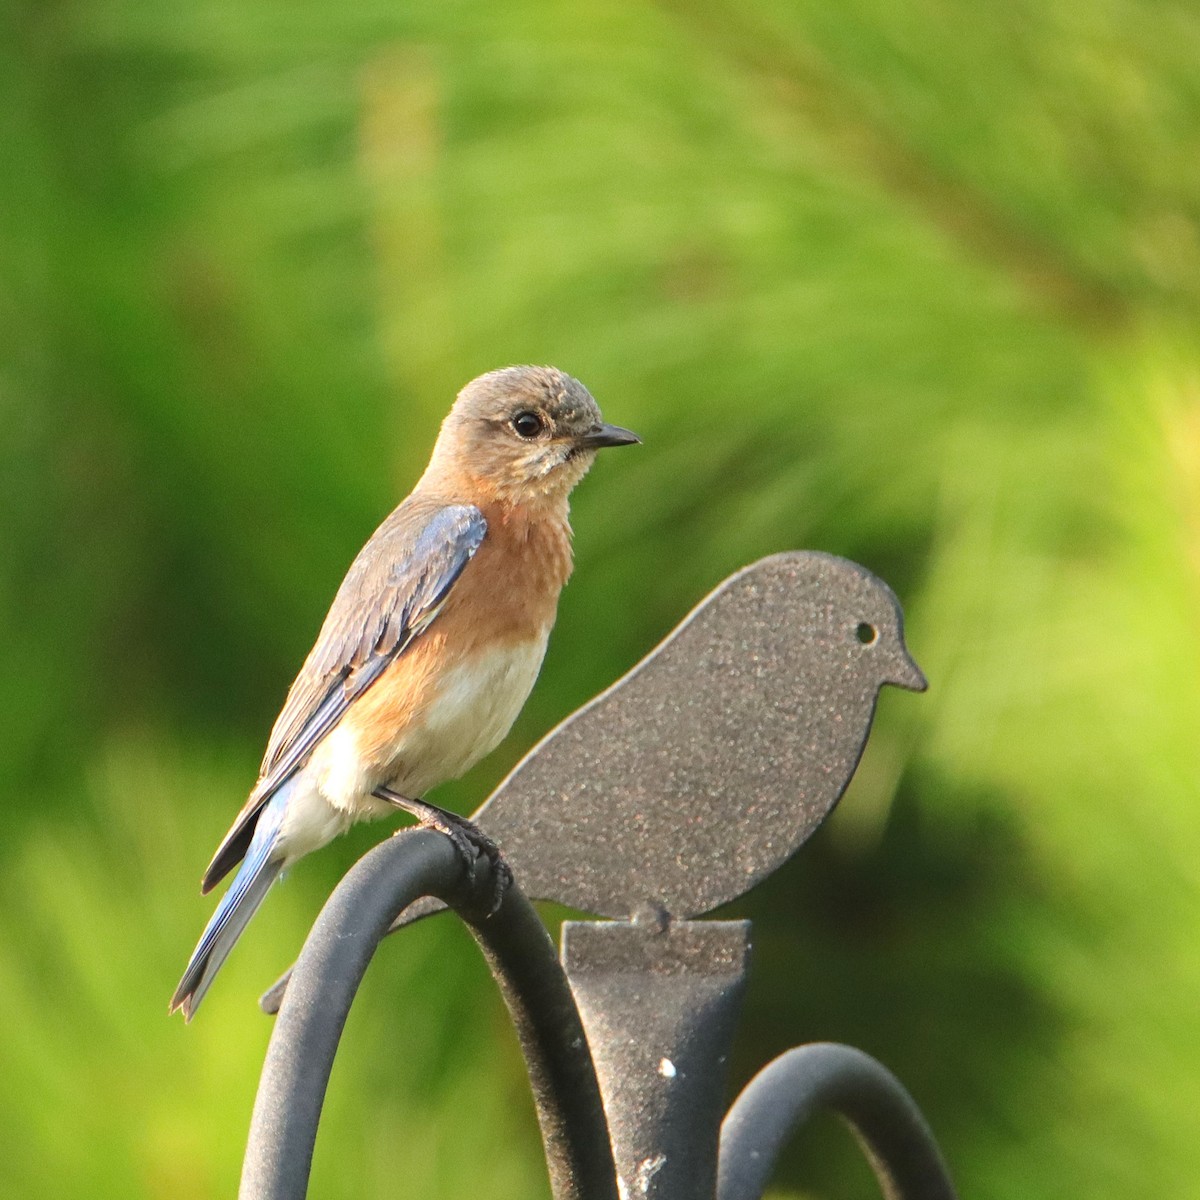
[(916, 283)]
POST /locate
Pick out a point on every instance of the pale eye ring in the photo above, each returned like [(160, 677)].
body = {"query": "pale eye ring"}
[(527, 424)]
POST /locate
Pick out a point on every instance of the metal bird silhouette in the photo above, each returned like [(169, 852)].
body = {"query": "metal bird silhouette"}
[(713, 760)]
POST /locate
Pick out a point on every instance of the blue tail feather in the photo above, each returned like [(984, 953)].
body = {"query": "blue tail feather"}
[(258, 871)]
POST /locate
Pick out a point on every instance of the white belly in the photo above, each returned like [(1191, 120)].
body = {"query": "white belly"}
[(474, 706)]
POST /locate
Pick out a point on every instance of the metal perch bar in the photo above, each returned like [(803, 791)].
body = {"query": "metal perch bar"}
[(827, 1076), (326, 978)]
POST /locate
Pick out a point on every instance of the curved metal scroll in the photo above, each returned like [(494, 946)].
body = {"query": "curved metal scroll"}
[(828, 1076), (327, 975)]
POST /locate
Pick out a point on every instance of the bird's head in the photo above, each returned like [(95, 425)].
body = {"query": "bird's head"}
[(523, 434)]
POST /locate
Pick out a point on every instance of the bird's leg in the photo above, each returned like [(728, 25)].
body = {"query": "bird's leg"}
[(465, 836)]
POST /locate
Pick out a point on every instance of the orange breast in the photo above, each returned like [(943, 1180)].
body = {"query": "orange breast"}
[(510, 589), (507, 595)]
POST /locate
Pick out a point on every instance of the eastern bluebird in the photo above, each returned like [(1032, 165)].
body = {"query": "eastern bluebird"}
[(432, 644)]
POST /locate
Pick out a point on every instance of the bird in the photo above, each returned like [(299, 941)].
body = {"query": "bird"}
[(430, 648)]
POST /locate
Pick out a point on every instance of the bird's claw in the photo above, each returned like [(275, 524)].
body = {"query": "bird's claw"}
[(461, 840), (472, 844), (502, 878)]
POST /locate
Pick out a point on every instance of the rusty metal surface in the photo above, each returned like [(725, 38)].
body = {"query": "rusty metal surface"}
[(704, 769)]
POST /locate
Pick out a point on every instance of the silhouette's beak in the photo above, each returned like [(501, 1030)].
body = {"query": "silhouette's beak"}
[(607, 435), (908, 675)]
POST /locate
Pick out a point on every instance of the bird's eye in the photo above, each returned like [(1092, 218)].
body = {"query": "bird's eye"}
[(527, 424), (866, 633)]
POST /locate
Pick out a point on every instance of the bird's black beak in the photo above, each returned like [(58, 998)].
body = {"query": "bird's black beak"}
[(607, 435)]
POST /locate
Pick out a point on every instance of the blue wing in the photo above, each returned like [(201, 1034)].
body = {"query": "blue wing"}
[(394, 589)]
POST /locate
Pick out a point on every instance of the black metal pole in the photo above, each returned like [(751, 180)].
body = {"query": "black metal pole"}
[(827, 1076), (326, 978), (660, 1001)]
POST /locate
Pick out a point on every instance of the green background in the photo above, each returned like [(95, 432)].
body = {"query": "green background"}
[(914, 283)]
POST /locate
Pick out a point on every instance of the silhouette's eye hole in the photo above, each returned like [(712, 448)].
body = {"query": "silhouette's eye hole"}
[(527, 425), (866, 633)]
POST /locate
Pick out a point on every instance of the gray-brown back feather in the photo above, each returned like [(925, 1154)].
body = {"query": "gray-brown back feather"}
[(393, 591)]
